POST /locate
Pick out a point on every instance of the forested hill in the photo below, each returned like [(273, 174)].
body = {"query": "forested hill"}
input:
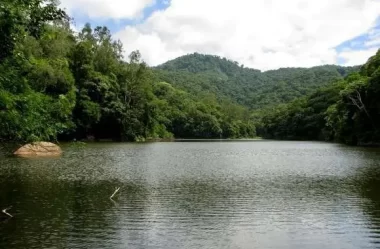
[(199, 73), (347, 111), (57, 84)]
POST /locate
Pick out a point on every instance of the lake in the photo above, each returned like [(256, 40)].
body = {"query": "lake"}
[(238, 194)]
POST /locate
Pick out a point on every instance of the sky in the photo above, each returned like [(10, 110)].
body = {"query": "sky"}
[(261, 34)]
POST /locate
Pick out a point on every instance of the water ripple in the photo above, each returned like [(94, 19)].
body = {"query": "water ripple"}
[(194, 195)]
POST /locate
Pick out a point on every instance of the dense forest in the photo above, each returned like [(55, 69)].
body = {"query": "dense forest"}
[(347, 111), (57, 84), (198, 73)]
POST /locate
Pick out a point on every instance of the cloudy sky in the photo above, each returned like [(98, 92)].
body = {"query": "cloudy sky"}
[(263, 34)]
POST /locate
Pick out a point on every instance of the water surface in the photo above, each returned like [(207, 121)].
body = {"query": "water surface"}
[(249, 194)]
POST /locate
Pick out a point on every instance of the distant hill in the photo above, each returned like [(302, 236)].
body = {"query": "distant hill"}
[(198, 73)]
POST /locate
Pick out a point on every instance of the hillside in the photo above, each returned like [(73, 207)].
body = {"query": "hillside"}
[(197, 73), (57, 84), (346, 111)]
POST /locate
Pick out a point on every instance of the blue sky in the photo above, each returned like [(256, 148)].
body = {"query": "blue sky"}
[(261, 34), (367, 40), (116, 25)]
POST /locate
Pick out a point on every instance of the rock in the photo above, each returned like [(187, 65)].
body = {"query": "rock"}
[(39, 149)]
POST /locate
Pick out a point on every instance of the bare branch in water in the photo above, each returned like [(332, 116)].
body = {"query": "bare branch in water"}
[(114, 193), (5, 211)]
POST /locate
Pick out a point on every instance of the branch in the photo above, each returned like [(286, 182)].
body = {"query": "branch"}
[(6, 213), (358, 102), (114, 193), (355, 103), (359, 96)]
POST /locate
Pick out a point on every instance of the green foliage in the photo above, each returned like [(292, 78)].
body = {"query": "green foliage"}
[(19, 18), (55, 84), (76, 87), (36, 89), (198, 73), (188, 117), (348, 111), (32, 116), (113, 96), (302, 119), (356, 116)]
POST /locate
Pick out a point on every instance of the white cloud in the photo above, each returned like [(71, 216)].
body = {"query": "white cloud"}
[(357, 57), (109, 9), (263, 34), (373, 42), (373, 38)]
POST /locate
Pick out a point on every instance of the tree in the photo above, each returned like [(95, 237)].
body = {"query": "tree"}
[(19, 18)]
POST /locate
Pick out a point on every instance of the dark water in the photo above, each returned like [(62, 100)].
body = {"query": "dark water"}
[(194, 195)]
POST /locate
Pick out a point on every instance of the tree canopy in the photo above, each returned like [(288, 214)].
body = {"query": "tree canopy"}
[(252, 88), (57, 84), (347, 111), (60, 84)]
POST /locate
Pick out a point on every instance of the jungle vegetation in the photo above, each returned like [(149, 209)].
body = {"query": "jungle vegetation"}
[(57, 84)]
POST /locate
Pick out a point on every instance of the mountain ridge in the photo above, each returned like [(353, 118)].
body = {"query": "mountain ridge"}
[(165, 64), (197, 73)]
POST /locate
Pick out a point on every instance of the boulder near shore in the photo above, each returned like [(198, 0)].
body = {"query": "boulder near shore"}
[(39, 149)]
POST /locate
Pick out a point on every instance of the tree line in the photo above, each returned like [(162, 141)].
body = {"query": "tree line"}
[(198, 73), (347, 111), (59, 84)]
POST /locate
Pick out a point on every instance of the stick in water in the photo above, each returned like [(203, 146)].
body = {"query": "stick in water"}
[(114, 193), (5, 211)]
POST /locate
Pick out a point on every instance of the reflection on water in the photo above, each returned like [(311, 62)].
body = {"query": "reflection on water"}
[(258, 194)]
